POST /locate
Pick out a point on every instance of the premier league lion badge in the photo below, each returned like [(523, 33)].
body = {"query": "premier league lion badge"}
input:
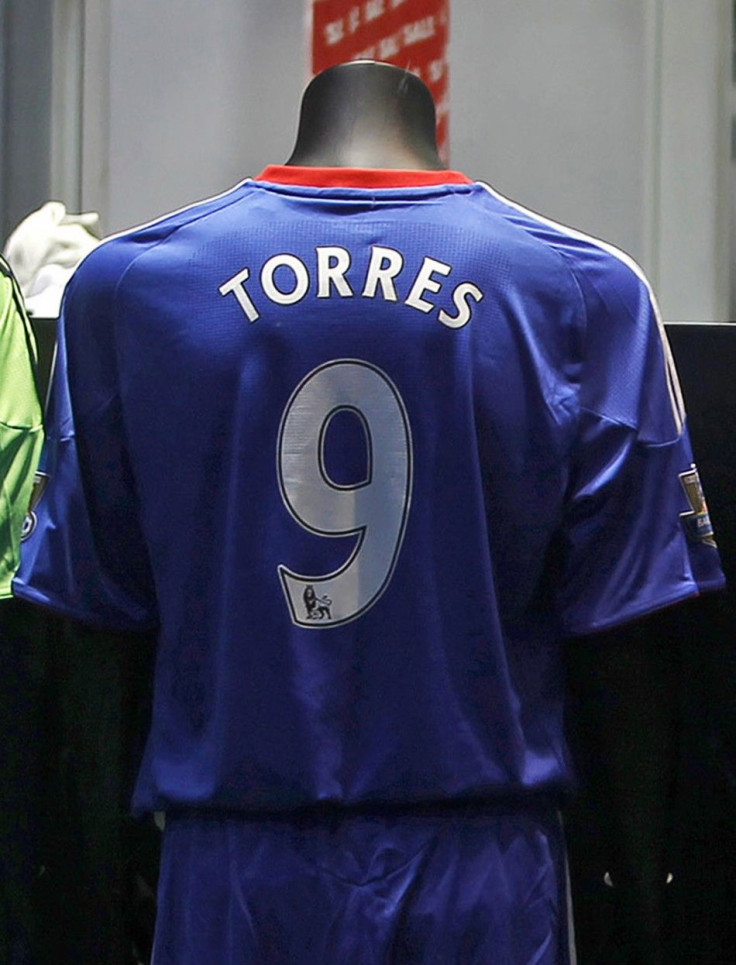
[(697, 521)]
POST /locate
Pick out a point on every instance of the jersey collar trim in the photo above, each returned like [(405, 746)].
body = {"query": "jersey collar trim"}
[(357, 177)]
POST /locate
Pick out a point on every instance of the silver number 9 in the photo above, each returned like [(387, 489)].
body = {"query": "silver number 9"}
[(375, 509)]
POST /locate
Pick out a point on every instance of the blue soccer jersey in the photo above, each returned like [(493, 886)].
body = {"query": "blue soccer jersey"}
[(362, 447)]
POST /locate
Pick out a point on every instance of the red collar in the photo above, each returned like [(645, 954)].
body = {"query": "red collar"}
[(358, 177)]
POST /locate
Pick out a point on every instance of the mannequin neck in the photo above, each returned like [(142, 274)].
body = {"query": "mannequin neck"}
[(367, 115)]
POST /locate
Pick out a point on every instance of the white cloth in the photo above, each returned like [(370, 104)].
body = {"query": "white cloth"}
[(44, 250)]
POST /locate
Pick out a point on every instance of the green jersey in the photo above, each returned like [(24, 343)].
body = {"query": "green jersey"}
[(20, 422)]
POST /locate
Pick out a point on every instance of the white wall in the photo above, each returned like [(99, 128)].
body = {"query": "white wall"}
[(604, 114), (201, 95), (546, 103), (692, 259)]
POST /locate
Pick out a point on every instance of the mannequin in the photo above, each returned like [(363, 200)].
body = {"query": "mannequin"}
[(365, 114), (392, 765)]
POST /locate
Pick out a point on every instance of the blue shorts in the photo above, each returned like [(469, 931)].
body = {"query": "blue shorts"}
[(466, 886)]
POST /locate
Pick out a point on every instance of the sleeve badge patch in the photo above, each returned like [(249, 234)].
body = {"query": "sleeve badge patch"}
[(696, 521), (40, 480)]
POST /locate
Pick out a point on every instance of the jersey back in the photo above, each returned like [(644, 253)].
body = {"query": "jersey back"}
[(363, 453)]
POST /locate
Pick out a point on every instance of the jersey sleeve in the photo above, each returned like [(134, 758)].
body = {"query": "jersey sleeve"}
[(637, 535), (83, 553), (20, 422)]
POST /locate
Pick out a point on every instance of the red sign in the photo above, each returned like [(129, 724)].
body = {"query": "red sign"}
[(408, 33)]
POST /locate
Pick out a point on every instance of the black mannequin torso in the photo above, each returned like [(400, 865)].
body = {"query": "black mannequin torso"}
[(367, 115)]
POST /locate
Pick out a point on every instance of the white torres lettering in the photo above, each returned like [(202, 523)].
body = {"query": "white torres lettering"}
[(385, 265), (285, 279), (425, 283), (460, 300), (332, 263), (301, 279), (236, 285)]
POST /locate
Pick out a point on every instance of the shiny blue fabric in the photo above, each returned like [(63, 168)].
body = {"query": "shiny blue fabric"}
[(452, 421), (460, 888)]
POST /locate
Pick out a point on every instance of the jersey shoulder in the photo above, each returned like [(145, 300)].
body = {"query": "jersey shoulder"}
[(102, 269), (591, 260), (626, 347)]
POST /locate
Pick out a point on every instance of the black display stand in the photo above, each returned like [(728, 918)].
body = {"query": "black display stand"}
[(703, 892), (45, 331)]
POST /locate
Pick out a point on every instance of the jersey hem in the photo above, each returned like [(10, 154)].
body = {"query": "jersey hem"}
[(56, 604), (688, 592)]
